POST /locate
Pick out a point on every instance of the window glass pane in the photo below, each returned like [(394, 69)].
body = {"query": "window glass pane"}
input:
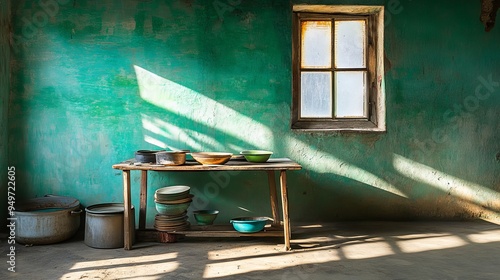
[(350, 44), (350, 93), (316, 95), (316, 51)]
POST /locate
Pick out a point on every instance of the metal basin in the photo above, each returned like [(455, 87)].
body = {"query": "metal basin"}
[(47, 220)]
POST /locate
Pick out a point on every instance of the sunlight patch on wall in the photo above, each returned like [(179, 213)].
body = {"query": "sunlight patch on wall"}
[(164, 134), (322, 162), (154, 141), (201, 111), (244, 209), (447, 183)]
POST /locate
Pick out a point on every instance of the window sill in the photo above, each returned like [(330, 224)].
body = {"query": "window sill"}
[(338, 126)]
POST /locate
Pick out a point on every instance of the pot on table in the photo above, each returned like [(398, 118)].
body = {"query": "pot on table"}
[(171, 157)]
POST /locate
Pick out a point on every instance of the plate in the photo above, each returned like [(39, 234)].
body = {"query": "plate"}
[(177, 201), (161, 218), (170, 190)]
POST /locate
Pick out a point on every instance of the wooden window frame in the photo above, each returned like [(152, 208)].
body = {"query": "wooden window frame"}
[(374, 15)]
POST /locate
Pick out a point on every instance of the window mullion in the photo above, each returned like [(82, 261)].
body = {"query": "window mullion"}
[(333, 67), (368, 31)]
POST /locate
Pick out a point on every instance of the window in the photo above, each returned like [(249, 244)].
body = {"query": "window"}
[(338, 68)]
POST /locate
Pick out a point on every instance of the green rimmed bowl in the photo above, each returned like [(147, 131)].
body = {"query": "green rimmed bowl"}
[(256, 155), (205, 217), (172, 209)]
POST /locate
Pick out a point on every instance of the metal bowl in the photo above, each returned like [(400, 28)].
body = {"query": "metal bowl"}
[(211, 158), (146, 156), (171, 157)]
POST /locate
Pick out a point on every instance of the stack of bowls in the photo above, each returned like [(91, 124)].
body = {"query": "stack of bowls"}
[(172, 203), (171, 223)]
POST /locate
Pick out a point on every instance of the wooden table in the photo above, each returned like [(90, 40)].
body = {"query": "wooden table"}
[(270, 167)]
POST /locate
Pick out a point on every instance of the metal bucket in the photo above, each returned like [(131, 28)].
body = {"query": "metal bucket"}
[(104, 225), (47, 220)]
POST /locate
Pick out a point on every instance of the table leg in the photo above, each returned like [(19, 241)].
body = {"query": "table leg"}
[(127, 237), (284, 201), (274, 197), (144, 199)]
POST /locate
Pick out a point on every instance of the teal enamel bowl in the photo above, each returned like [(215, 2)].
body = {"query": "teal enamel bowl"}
[(205, 217), (249, 224), (171, 209), (256, 155)]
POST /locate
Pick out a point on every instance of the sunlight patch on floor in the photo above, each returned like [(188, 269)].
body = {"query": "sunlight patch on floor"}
[(371, 248), (430, 244), (118, 261), (98, 269), (248, 263), (485, 236)]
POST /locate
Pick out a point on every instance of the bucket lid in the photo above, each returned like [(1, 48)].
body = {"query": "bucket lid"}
[(106, 208)]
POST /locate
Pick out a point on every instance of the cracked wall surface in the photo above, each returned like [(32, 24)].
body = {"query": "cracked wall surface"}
[(489, 10)]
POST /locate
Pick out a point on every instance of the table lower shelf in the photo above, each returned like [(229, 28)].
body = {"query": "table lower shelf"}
[(152, 235)]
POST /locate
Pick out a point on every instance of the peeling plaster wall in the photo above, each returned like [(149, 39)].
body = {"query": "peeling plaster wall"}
[(94, 81), (4, 99), (489, 10)]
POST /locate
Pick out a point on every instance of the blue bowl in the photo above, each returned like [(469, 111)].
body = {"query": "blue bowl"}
[(249, 224)]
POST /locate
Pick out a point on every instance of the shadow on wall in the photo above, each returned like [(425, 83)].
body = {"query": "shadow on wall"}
[(214, 126), (203, 94)]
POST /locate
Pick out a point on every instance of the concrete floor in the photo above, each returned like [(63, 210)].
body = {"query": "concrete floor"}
[(373, 250)]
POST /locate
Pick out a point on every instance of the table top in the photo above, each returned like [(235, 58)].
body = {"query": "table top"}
[(233, 164)]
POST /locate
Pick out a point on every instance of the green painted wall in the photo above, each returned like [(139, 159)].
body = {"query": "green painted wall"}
[(94, 81), (4, 100)]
